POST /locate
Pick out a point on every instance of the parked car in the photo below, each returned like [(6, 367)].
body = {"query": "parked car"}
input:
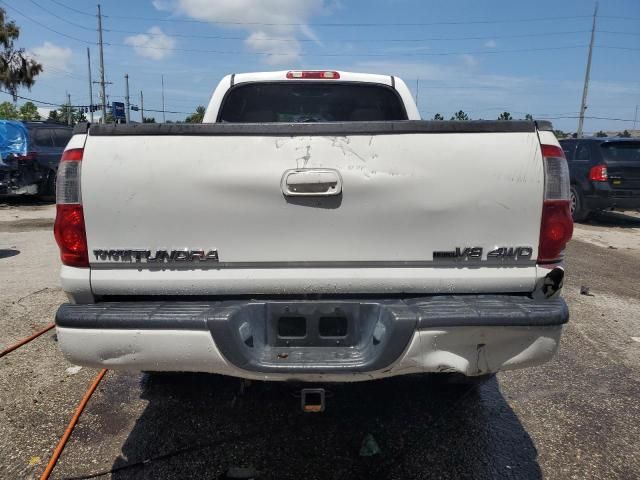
[(605, 174), (31, 153), (315, 229)]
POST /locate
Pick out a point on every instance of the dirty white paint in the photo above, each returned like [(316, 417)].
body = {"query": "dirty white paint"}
[(328, 280), (452, 349), (404, 196)]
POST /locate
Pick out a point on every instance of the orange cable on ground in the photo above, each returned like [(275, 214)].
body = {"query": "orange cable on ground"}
[(26, 340), (74, 420)]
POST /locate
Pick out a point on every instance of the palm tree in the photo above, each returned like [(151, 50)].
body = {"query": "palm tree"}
[(196, 117)]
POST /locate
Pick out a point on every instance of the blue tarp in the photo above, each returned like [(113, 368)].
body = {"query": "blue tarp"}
[(13, 138)]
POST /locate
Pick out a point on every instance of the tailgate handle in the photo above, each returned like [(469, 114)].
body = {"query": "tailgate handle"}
[(311, 182)]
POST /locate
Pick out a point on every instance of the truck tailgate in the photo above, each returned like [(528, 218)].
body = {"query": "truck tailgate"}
[(413, 207)]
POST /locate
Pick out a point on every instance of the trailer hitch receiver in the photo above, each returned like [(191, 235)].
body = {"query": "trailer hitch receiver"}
[(312, 400)]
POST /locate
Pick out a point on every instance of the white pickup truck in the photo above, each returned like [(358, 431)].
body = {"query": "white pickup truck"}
[(313, 228)]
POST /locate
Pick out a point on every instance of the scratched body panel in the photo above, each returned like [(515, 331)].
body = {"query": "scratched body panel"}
[(404, 197)]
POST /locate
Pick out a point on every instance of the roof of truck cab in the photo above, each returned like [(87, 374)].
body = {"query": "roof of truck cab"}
[(282, 75)]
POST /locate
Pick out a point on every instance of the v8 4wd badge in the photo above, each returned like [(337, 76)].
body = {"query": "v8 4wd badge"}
[(476, 254)]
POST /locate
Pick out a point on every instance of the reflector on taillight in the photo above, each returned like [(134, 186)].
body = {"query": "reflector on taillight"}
[(68, 228), (318, 74), (599, 173), (68, 177), (556, 225)]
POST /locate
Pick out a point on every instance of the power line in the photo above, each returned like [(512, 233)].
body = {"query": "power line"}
[(546, 116), (614, 17), (42, 102), (413, 54), (616, 48), (73, 9), (65, 72), (77, 25), (154, 19), (617, 33), (355, 40), (595, 118), (43, 25), (357, 24), (635, 19)]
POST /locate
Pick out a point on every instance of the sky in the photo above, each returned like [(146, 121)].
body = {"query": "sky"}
[(483, 57)]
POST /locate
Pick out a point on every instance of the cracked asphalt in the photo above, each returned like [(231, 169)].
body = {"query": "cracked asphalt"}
[(576, 417)]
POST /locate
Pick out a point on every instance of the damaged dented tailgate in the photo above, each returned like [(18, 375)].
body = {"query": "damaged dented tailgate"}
[(305, 211)]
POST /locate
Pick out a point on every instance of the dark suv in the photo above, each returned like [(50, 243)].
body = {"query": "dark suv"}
[(47, 141), (605, 174), (33, 172)]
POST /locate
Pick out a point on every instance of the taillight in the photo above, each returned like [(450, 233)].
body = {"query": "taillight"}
[(599, 173), (556, 225), (29, 156), (318, 74), (69, 225)]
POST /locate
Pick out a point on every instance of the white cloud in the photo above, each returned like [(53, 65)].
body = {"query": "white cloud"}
[(469, 60), (273, 26), (44, 112), (162, 5), (54, 59), (281, 49), (154, 44), (490, 44)]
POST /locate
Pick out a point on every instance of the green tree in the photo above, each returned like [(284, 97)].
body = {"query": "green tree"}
[(8, 111), (625, 134), (148, 120), (16, 69), (528, 116), (601, 134), (437, 116), (560, 134), (505, 116), (77, 116), (29, 111), (54, 116), (460, 115), (196, 117)]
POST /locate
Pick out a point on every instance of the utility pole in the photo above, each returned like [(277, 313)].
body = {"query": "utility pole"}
[(163, 119), (635, 118), (102, 82), (126, 97), (417, 91), (90, 87), (141, 108), (583, 105), (68, 109)]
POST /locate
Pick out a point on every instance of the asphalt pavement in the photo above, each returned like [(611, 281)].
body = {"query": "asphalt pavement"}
[(576, 417)]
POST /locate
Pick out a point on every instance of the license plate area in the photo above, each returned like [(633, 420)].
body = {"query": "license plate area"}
[(309, 325), (312, 336)]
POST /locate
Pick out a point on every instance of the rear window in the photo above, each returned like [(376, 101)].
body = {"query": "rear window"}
[(621, 151), (61, 137), (42, 137), (311, 102)]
